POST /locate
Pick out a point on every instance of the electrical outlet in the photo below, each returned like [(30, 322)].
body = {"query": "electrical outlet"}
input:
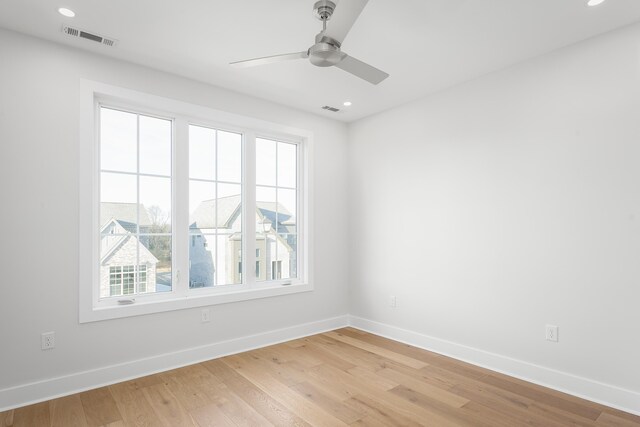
[(206, 315), (48, 340), (393, 301), (552, 333)]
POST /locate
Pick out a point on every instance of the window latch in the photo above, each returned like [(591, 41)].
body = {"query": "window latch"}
[(126, 301)]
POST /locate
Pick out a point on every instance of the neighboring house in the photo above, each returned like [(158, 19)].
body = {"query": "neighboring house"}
[(275, 242), (122, 254)]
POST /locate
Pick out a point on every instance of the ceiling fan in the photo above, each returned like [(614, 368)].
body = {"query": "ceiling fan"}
[(326, 51)]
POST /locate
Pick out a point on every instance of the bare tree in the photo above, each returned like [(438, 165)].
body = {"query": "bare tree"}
[(159, 219), (160, 246)]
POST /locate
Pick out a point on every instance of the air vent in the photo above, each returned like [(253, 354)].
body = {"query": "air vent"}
[(71, 31), (333, 109), (75, 32)]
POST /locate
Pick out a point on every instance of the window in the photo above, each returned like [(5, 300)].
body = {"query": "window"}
[(135, 199), (182, 202), (142, 278), (215, 206), (277, 202), (276, 270), (122, 279), (115, 280)]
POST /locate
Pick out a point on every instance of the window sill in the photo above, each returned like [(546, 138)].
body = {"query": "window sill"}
[(196, 299)]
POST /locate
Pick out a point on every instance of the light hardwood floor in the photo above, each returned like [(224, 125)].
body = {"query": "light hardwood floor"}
[(344, 377)]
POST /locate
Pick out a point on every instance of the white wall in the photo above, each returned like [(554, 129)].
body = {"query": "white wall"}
[(39, 113), (507, 203)]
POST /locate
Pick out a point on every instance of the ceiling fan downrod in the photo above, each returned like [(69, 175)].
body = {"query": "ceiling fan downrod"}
[(323, 9)]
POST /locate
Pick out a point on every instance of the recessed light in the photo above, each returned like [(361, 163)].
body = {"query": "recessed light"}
[(66, 12), (594, 2), (347, 103)]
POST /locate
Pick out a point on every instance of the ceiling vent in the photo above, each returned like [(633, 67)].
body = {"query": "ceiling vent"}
[(75, 32), (333, 109)]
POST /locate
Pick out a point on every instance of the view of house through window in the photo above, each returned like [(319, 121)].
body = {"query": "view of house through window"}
[(135, 203), (137, 227), (215, 207), (276, 207)]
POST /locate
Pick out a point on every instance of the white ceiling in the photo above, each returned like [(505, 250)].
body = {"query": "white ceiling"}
[(426, 45)]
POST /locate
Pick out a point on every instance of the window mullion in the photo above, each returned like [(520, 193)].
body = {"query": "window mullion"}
[(180, 228), (249, 209)]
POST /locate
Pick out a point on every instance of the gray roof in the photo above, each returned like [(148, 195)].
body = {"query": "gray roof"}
[(286, 221), (204, 215), (125, 213), (117, 242)]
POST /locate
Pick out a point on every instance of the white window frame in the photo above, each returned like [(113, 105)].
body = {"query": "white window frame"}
[(91, 307)]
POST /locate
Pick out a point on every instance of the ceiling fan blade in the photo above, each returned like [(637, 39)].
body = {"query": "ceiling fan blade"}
[(362, 70), (345, 15), (269, 59)]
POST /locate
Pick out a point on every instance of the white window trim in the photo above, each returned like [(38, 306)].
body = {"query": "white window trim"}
[(90, 308)]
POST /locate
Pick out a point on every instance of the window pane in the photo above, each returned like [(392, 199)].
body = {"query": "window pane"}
[(128, 279), (201, 260), (202, 153), (265, 229), (118, 188), (155, 208), (265, 162), (142, 278), (155, 255), (202, 206), (286, 211), (266, 197), (229, 207), (276, 202), (287, 253), (115, 281), (229, 266), (131, 204), (266, 206), (276, 270), (229, 157), (264, 243), (155, 146), (287, 165), (118, 207), (215, 207), (229, 190), (118, 140), (261, 256)]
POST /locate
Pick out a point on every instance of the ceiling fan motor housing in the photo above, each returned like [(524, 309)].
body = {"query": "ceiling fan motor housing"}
[(325, 55), (326, 52)]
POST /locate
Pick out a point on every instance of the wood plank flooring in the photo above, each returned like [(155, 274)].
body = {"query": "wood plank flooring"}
[(340, 378)]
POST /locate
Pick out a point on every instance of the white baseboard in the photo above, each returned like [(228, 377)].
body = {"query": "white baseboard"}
[(39, 391), (606, 394)]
